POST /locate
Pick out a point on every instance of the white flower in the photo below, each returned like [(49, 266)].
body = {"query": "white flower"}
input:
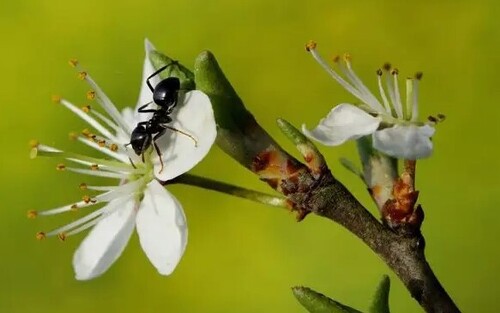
[(395, 130), (139, 199)]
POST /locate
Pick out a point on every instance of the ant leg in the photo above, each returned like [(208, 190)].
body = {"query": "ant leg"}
[(142, 108), (129, 158), (161, 69), (157, 148), (132, 162), (184, 133)]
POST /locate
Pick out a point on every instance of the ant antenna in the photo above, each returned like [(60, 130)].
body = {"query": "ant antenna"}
[(161, 69)]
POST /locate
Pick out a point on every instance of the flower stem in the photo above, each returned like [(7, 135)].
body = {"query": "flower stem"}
[(211, 184)]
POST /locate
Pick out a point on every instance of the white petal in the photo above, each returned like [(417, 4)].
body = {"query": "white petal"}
[(180, 153), (405, 142), (145, 94), (105, 242), (344, 122), (162, 228)]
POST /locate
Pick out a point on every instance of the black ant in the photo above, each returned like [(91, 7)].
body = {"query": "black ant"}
[(165, 95)]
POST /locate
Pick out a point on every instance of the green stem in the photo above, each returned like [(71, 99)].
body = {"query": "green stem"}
[(210, 184)]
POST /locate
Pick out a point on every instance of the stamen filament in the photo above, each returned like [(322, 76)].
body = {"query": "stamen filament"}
[(98, 173), (120, 157), (397, 105), (336, 76), (370, 99), (414, 114), (382, 93), (409, 99), (107, 105), (87, 118)]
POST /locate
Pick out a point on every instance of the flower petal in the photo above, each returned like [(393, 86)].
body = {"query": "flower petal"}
[(105, 242), (405, 142), (145, 94), (162, 229), (344, 122), (195, 117)]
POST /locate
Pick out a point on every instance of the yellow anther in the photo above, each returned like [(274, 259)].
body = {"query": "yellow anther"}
[(40, 235), (395, 71), (74, 207), (73, 136), (34, 143), (336, 58), (60, 167), (418, 75), (56, 99), (73, 62), (61, 236), (86, 108), (379, 72), (101, 143), (82, 75), (387, 66), (91, 95), (86, 132), (32, 214), (113, 147), (86, 198), (83, 186), (347, 57), (441, 117), (310, 45), (94, 167)]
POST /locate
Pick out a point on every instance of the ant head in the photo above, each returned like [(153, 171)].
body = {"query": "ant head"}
[(166, 92)]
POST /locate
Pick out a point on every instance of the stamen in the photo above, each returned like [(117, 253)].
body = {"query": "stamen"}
[(107, 105), (82, 75), (98, 173), (311, 45), (60, 167), (94, 167), (56, 98), (80, 224), (83, 186), (90, 95), (414, 114), (43, 150), (73, 62), (409, 99), (34, 143), (397, 105), (61, 236), (40, 235), (87, 118), (113, 154), (370, 99), (333, 74), (107, 121), (387, 106), (86, 108), (441, 117), (113, 147), (101, 143), (101, 188), (32, 214)]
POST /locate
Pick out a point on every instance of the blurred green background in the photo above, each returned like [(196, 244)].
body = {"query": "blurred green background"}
[(242, 256)]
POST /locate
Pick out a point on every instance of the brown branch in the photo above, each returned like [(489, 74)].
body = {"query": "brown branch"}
[(403, 254)]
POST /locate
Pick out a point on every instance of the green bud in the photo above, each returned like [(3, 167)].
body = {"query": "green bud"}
[(238, 133), (178, 70), (380, 302), (315, 302)]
